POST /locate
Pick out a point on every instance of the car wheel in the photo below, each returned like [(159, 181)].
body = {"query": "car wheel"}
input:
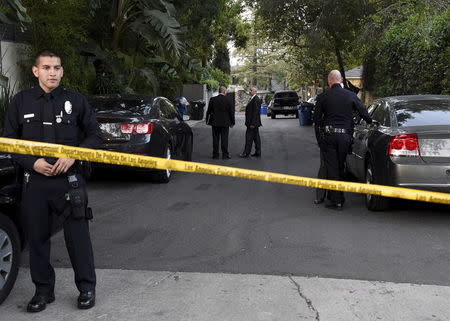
[(374, 202), (189, 147), (9, 256), (163, 176), (272, 115)]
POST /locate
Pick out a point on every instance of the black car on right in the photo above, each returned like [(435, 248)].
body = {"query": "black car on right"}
[(408, 147)]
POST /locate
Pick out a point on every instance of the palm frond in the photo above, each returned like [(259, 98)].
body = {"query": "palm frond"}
[(166, 30)]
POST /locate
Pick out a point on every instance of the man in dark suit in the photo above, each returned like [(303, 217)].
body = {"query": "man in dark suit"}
[(333, 115), (220, 115), (253, 122)]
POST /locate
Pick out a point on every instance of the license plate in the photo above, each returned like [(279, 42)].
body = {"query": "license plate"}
[(288, 107)]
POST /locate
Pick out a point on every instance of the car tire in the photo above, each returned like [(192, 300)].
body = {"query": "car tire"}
[(9, 256), (189, 148), (164, 175), (374, 202), (272, 115)]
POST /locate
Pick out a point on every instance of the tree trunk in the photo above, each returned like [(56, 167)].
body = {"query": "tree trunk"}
[(341, 65)]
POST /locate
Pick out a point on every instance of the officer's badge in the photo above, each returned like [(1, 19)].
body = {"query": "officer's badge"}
[(68, 107)]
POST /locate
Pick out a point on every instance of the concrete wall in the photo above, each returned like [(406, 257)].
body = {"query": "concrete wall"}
[(195, 92), (12, 54)]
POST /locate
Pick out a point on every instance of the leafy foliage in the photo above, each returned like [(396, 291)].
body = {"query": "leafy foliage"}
[(14, 12), (6, 93), (214, 78), (412, 57), (63, 33)]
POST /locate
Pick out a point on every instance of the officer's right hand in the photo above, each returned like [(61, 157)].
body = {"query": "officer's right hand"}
[(42, 167)]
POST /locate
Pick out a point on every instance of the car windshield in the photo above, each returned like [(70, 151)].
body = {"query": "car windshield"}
[(422, 113), (286, 95), (133, 105)]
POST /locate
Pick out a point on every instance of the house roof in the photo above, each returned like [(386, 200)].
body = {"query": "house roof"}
[(354, 73)]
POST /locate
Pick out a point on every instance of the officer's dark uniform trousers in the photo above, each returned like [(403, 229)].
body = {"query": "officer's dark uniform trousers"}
[(39, 116), (37, 215), (335, 153)]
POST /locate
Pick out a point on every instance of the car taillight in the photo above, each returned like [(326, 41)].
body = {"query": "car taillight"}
[(143, 128), (136, 128), (404, 145)]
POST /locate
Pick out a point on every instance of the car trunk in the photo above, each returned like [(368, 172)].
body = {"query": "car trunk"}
[(110, 127), (434, 144)]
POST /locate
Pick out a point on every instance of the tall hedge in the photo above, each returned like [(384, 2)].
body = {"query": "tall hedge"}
[(412, 58)]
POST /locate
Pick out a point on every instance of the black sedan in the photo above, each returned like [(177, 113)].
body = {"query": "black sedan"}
[(143, 125), (11, 236), (410, 147)]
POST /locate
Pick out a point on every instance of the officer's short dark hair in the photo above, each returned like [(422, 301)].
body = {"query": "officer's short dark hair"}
[(45, 53)]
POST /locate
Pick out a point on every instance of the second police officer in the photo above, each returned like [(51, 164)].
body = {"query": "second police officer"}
[(333, 119)]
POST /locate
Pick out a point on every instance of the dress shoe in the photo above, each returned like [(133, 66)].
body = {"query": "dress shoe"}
[(318, 201), (86, 300), (244, 155), (39, 302), (255, 155), (215, 156), (334, 206), (226, 157)]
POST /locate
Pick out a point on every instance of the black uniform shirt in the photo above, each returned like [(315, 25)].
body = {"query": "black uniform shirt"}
[(62, 116), (335, 107)]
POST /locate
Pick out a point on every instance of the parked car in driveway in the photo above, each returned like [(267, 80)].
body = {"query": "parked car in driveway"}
[(11, 236), (410, 147), (143, 125), (284, 102)]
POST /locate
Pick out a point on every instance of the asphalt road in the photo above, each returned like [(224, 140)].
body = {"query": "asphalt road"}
[(203, 223)]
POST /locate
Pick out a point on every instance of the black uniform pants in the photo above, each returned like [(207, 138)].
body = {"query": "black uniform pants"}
[(336, 147), (220, 134), (252, 135), (320, 192), (36, 210)]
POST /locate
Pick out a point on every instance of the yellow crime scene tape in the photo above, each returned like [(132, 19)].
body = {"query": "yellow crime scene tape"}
[(17, 146)]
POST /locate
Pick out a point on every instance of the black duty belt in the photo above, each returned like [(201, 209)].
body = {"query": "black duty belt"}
[(331, 130)]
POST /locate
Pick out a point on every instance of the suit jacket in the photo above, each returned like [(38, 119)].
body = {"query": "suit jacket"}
[(220, 112), (253, 112)]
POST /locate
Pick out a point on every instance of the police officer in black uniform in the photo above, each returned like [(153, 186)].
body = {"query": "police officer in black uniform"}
[(333, 118), (53, 114)]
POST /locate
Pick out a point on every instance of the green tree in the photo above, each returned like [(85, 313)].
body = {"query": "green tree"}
[(324, 28), (413, 57), (13, 12), (209, 25), (60, 25)]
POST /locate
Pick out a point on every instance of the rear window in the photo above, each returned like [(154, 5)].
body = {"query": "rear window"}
[(133, 105), (292, 94), (422, 113)]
